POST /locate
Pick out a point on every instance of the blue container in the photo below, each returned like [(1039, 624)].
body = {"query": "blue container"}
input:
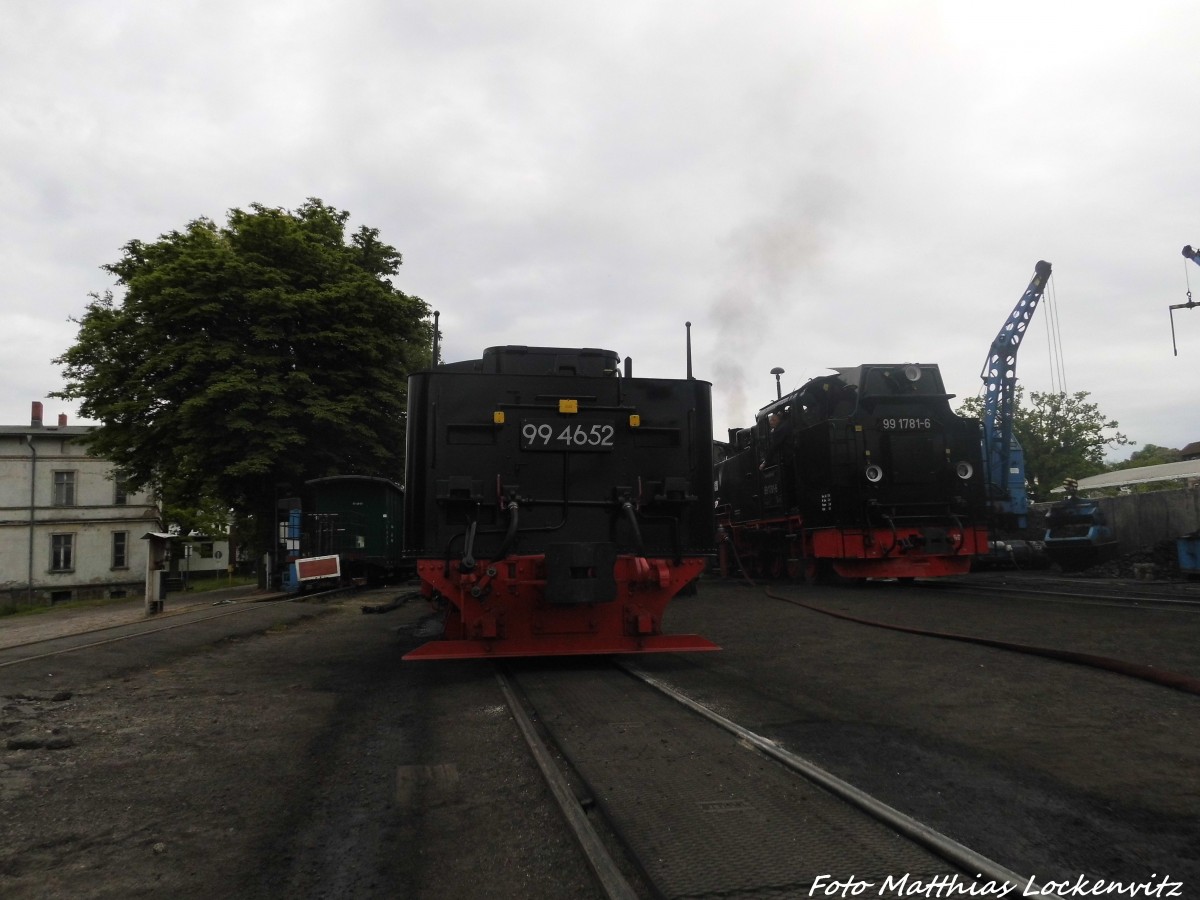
[(1189, 553)]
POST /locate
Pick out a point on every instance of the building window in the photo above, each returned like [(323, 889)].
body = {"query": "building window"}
[(120, 556), (62, 552), (64, 488), (120, 493)]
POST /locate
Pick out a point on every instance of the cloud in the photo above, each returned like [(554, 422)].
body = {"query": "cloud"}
[(811, 185)]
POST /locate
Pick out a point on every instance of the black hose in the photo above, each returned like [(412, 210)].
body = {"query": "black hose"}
[(1164, 677), (627, 508), (510, 536), (468, 559)]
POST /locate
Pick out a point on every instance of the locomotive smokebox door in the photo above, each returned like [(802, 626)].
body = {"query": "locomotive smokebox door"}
[(580, 573)]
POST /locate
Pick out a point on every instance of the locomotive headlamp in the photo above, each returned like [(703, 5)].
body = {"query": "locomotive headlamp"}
[(912, 373), (874, 474), (964, 470)]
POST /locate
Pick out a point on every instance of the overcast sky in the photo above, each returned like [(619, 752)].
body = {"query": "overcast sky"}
[(810, 184)]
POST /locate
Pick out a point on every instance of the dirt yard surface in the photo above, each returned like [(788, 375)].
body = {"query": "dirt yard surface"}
[(292, 754), (297, 761), (1049, 768)]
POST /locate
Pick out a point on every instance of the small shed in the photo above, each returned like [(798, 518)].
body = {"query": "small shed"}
[(156, 569)]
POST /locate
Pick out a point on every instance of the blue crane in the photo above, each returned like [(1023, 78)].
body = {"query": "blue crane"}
[(1002, 454)]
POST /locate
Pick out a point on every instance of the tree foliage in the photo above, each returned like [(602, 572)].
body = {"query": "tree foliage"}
[(244, 359), (1150, 455), (1062, 435)]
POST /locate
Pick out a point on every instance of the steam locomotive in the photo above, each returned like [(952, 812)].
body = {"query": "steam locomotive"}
[(555, 505), (865, 473)]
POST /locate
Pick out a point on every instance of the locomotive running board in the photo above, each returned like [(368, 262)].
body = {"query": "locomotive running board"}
[(561, 646)]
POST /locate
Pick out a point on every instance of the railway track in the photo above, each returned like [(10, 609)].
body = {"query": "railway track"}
[(122, 639), (702, 806), (44, 648), (118, 629), (1174, 594)]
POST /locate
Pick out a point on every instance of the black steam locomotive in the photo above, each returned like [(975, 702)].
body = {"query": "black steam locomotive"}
[(554, 505), (865, 473)]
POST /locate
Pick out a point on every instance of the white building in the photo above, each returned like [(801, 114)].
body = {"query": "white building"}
[(68, 528)]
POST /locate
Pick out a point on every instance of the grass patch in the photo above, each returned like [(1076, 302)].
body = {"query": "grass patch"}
[(200, 585), (196, 586), (22, 609)]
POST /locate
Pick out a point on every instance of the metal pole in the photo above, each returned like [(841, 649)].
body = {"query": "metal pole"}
[(32, 511)]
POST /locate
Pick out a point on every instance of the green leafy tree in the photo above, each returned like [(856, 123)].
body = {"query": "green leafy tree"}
[(1150, 455), (243, 359), (1062, 435)]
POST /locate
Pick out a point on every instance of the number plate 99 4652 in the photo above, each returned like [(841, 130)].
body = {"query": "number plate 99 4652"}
[(561, 435)]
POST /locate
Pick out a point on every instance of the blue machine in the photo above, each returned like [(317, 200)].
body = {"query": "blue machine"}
[(289, 542), (1077, 534)]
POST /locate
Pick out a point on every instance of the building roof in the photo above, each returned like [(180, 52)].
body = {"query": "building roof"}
[(48, 430), (1189, 468)]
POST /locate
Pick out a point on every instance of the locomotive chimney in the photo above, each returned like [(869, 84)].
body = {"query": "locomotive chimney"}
[(689, 350), (35, 415), (433, 362), (778, 388)]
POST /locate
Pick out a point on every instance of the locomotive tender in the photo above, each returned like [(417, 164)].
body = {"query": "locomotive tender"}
[(869, 474), (555, 506)]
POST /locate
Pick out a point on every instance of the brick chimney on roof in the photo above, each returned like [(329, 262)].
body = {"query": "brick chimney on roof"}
[(62, 420), (35, 415)]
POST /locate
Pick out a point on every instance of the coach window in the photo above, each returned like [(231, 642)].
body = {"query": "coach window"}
[(120, 550), (64, 488), (62, 552)]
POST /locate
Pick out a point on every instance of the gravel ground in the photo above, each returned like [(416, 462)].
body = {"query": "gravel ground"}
[(305, 760)]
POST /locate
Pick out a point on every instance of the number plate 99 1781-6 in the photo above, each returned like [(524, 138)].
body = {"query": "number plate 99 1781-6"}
[(567, 435), (906, 423)]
